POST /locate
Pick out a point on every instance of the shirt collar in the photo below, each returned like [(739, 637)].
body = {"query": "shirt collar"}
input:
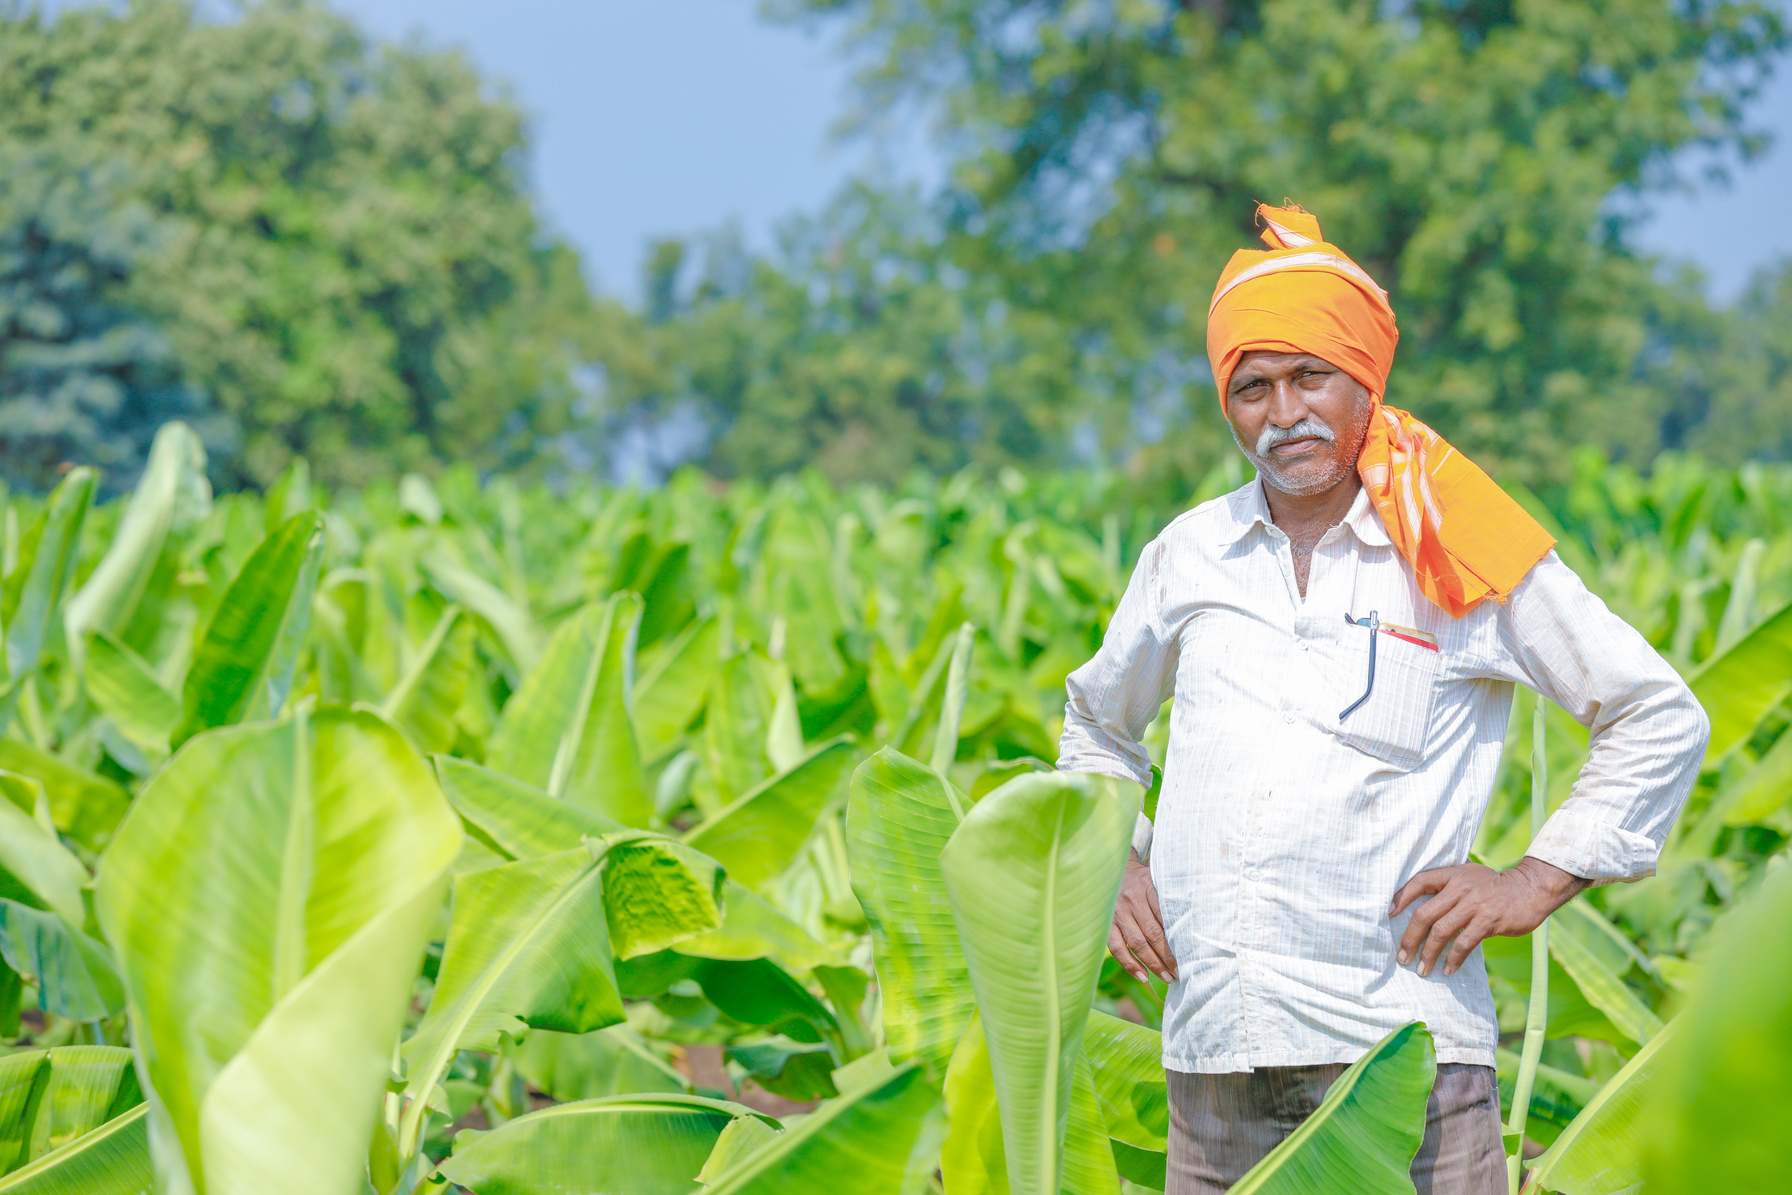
[(1248, 508)]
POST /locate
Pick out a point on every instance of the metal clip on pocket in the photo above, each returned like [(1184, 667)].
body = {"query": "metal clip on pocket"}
[(1373, 622)]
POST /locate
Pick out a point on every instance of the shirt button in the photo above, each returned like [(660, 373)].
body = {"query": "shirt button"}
[(1250, 873), (1303, 645), (1289, 718)]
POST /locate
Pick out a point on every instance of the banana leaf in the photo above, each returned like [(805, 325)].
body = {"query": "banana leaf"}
[(1126, 1066), (36, 859), (974, 1160), (619, 1145), (1739, 685), (669, 697), (34, 590), (568, 731), (1718, 1120), (74, 975), (753, 927), (1601, 1150), (113, 1159), (1033, 872), (528, 947), (172, 495), (1364, 1134), (515, 819), (511, 622), (85, 806), (269, 899), (126, 689), (425, 699), (757, 836), (244, 666), (881, 1139), (900, 815), (51, 1097), (583, 1066)]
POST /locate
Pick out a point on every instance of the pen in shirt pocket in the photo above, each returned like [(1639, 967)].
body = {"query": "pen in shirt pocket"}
[(1413, 635)]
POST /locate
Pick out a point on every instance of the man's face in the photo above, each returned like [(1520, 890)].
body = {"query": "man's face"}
[(1299, 419)]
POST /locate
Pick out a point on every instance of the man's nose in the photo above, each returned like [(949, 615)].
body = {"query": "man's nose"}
[(1286, 406)]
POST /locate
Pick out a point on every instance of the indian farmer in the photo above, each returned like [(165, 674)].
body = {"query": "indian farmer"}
[(1342, 637)]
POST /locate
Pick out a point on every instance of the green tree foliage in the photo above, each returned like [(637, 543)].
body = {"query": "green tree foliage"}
[(326, 239), (859, 348), (1476, 157)]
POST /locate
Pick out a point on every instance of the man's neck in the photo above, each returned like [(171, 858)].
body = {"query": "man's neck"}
[(1324, 510), (1305, 518)]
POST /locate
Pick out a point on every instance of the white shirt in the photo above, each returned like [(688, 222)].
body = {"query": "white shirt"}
[(1282, 833)]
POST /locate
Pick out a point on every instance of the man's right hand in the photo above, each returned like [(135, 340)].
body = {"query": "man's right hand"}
[(1137, 935)]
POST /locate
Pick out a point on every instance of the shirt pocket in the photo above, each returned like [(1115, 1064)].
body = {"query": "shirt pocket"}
[(1394, 724)]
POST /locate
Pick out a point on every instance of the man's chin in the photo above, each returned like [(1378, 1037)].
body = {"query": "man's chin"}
[(1304, 478)]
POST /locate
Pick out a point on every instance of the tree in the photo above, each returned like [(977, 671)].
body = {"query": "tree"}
[(343, 262), (1109, 156)]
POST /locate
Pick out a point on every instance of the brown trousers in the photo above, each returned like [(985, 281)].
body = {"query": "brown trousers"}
[(1222, 1125)]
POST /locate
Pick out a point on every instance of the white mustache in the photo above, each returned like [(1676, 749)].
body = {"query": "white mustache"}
[(1310, 425)]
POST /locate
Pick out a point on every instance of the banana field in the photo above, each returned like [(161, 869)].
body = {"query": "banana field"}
[(528, 841)]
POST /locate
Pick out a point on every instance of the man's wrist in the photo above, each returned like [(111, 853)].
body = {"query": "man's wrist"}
[(1550, 882)]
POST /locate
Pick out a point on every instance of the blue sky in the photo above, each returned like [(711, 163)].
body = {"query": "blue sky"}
[(670, 117)]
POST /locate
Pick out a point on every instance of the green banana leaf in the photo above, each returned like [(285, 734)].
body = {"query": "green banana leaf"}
[(172, 495), (1601, 1150), (531, 944), (737, 715), (583, 1066), (48, 1098), (1718, 1121), (759, 992), (620, 1145), (1739, 685), (269, 898), (1557, 1096), (528, 946), (881, 1139), (1126, 1065), (753, 927), (74, 975), (758, 835), (567, 730), (85, 806), (658, 892), (35, 858), (126, 689), (1033, 872), (669, 696), (425, 699), (515, 819), (113, 1159), (511, 622), (974, 1161), (244, 665), (1603, 988), (1764, 788), (1364, 1134), (46, 564), (899, 816)]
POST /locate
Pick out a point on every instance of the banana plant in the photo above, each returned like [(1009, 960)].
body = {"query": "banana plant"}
[(269, 898)]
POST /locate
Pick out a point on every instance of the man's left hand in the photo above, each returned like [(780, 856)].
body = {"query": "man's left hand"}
[(1471, 902)]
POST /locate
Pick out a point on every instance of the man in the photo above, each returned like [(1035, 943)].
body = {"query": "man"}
[(1342, 637)]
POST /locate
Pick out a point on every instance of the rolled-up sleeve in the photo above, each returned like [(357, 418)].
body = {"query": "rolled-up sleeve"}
[(1648, 730), (1114, 697)]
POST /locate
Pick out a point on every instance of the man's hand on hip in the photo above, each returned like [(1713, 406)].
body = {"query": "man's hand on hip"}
[(1471, 902), (1137, 935)]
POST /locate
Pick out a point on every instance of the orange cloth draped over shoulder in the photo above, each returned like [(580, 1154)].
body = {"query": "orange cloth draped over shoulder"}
[(1465, 538)]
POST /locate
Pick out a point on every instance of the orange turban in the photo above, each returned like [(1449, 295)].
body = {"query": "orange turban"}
[(1465, 538)]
